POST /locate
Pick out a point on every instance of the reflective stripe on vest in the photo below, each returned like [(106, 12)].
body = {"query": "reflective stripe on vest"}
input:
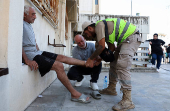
[(122, 30)]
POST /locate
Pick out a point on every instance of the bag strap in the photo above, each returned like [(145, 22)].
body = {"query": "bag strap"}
[(106, 31)]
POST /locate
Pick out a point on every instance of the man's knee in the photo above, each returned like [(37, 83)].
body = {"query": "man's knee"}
[(58, 66), (154, 56), (69, 75), (99, 67), (124, 62), (61, 58), (73, 72)]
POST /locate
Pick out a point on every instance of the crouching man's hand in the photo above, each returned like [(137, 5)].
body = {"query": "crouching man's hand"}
[(90, 63), (32, 64)]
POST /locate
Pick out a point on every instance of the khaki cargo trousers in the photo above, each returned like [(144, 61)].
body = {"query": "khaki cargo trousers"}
[(120, 67)]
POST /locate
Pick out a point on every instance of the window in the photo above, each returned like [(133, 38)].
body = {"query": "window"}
[(96, 2)]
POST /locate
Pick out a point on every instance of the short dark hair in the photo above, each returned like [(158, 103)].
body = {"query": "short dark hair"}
[(155, 34), (92, 25)]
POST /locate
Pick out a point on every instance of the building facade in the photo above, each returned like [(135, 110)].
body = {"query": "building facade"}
[(19, 85), (90, 10)]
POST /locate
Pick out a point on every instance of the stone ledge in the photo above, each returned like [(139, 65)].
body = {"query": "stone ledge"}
[(143, 69), (135, 69)]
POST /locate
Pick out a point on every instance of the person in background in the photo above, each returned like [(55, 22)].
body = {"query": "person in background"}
[(163, 56), (166, 55), (156, 50), (168, 52)]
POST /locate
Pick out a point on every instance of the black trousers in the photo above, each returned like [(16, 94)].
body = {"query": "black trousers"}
[(77, 72)]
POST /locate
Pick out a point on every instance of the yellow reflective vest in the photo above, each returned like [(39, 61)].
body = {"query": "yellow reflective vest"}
[(122, 30)]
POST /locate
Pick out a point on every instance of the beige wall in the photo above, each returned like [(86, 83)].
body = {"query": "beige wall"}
[(4, 4), (96, 9), (60, 31)]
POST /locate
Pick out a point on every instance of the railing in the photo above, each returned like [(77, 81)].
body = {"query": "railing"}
[(141, 58), (144, 20)]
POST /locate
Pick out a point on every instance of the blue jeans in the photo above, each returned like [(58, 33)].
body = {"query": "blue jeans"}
[(158, 58), (169, 56)]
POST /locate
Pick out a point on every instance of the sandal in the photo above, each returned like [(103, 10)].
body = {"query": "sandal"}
[(95, 95), (81, 99)]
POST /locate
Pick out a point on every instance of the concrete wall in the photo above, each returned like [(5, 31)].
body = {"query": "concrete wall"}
[(67, 51), (87, 6), (7, 7), (21, 86)]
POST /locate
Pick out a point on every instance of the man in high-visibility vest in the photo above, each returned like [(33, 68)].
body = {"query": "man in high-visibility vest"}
[(128, 39)]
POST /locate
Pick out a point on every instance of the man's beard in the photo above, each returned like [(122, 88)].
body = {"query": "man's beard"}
[(94, 35), (83, 46), (91, 37)]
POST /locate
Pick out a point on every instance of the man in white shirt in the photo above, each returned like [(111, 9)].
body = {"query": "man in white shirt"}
[(46, 61)]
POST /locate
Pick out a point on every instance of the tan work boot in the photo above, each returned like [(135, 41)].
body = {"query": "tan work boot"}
[(110, 90), (126, 102)]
